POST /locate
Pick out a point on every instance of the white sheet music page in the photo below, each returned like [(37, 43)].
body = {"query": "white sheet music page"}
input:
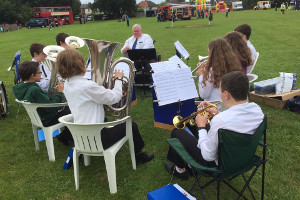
[(174, 85), (163, 66), (181, 50), (165, 87), (185, 84), (175, 59)]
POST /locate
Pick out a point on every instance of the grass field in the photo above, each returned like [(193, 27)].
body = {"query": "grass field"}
[(28, 174)]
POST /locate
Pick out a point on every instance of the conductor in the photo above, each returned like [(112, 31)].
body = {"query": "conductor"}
[(139, 40)]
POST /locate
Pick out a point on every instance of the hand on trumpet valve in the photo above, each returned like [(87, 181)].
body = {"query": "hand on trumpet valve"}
[(118, 74), (213, 110), (60, 87), (201, 119), (200, 69)]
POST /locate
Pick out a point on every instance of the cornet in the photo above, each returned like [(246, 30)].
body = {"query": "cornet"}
[(180, 122), (203, 60)]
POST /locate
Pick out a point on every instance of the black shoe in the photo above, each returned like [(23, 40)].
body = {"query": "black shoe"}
[(171, 169), (63, 140), (142, 157)]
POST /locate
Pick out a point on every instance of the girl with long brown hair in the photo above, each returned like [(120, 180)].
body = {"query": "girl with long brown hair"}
[(221, 60), (240, 48)]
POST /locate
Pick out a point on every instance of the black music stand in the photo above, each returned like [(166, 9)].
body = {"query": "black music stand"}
[(142, 56)]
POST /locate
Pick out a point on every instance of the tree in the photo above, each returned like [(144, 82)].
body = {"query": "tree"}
[(116, 8)]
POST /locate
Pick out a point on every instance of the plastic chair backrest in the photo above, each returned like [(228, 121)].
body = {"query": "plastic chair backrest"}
[(87, 137), (31, 109), (251, 78), (250, 69), (236, 150)]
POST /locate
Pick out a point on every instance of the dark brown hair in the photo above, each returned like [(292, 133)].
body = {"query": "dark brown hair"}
[(70, 62), (61, 38), (27, 68), (237, 84), (221, 60), (240, 48), (244, 29), (36, 48)]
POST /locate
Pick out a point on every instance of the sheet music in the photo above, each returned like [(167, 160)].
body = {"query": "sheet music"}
[(178, 61), (175, 85), (181, 50), (163, 66), (185, 83)]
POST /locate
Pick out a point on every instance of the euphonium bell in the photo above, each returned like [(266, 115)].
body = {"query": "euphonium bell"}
[(52, 51), (180, 122)]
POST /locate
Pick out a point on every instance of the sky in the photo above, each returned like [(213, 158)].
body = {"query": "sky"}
[(137, 1)]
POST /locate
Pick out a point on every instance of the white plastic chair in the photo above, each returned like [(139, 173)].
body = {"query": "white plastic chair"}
[(87, 139), (252, 77), (250, 69), (31, 109)]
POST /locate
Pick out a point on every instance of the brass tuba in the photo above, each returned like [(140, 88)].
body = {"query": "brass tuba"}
[(102, 70), (180, 122), (52, 51)]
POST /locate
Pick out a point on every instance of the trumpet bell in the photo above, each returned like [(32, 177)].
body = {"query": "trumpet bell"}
[(74, 42), (201, 58), (52, 51), (178, 123)]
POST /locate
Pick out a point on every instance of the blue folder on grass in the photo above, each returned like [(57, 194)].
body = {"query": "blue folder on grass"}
[(168, 192)]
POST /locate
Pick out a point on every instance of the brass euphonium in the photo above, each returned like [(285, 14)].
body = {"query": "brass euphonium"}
[(102, 70), (52, 51), (180, 122)]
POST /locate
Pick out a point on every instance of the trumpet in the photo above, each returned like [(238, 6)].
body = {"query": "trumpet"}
[(180, 122), (203, 60)]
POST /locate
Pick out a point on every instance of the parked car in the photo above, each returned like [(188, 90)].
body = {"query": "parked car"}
[(36, 22)]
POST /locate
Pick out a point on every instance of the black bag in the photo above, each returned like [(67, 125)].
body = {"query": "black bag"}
[(293, 104)]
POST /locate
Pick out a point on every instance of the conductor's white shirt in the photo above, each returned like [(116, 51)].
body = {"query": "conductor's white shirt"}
[(143, 42), (86, 98), (243, 118), (253, 54), (208, 92), (46, 75)]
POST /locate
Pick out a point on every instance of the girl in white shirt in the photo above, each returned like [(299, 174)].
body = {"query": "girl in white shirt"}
[(221, 60), (86, 98)]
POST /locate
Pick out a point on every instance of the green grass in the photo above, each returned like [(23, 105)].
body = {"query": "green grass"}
[(27, 174)]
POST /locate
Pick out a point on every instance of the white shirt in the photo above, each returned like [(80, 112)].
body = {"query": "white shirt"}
[(253, 54), (86, 98), (46, 75), (242, 118), (208, 92), (144, 42)]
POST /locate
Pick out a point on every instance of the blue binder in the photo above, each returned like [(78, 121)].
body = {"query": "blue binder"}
[(168, 192), (163, 115), (69, 160)]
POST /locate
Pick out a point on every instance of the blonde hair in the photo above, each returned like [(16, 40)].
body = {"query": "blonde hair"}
[(221, 61), (70, 62)]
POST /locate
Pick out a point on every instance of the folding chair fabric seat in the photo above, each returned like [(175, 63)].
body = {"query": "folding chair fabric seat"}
[(236, 155)]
